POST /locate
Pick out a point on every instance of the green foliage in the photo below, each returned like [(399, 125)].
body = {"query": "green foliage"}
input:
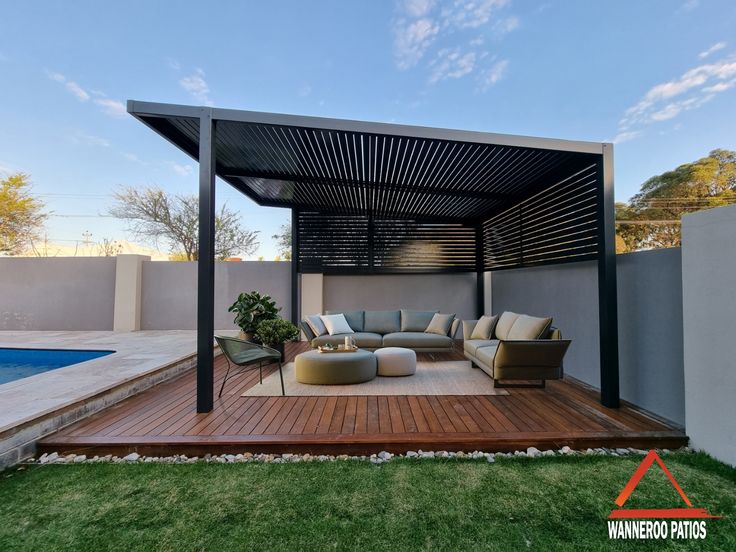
[(253, 308), (153, 214), (651, 219), (544, 504), (275, 332), (283, 241), (21, 216)]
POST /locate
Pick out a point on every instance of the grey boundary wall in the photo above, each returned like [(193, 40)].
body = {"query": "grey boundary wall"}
[(649, 319)]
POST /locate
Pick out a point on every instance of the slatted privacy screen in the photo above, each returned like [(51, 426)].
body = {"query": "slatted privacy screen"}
[(355, 244), (558, 224)]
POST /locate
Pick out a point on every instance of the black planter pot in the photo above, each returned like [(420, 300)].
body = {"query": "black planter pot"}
[(280, 349)]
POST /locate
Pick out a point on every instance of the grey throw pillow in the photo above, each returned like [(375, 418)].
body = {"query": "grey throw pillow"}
[(484, 328), (415, 321), (316, 325), (440, 324)]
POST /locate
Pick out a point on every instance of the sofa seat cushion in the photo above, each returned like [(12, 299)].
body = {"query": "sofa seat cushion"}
[(529, 327), (417, 340), (471, 346), (486, 354), (362, 339), (382, 322)]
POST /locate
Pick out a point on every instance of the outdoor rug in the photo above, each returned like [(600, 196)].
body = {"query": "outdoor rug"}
[(455, 377)]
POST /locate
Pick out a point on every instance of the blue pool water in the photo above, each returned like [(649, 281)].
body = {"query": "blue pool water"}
[(21, 363)]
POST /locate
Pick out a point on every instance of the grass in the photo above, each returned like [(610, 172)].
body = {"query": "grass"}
[(555, 503)]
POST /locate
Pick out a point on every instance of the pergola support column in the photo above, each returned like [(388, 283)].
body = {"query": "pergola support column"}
[(206, 263), (294, 267), (480, 284), (607, 293)]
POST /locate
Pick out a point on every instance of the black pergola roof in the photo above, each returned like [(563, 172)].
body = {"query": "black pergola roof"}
[(377, 197)]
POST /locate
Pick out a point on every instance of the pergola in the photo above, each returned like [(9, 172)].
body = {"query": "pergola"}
[(372, 198)]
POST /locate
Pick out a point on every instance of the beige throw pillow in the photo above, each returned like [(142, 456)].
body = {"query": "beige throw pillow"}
[(336, 324), (505, 321), (484, 327), (440, 324), (529, 327)]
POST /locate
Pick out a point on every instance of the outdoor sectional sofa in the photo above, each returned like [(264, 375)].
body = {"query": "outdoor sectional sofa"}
[(515, 347), (397, 328)]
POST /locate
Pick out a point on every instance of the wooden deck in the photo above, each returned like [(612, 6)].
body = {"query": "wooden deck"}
[(163, 421)]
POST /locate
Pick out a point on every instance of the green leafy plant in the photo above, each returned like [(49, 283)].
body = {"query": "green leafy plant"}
[(253, 308), (275, 332)]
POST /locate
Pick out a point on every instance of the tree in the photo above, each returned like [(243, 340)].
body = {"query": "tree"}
[(21, 216), (153, 214), (283, 241), (651, 219)]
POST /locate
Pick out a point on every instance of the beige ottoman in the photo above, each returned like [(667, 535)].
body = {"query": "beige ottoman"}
[(396, 361)]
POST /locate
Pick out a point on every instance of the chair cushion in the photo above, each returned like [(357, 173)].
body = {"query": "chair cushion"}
[(471, 346), (484, 327), (382, 322), (486, 354), (362, 339), (415, 321), (529, 327), (336, 324), (417, 340), (316, 325), (440, 324), (505, 321), (354, 318)]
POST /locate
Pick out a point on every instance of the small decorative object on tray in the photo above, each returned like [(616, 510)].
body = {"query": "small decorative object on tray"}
[(339, 349)]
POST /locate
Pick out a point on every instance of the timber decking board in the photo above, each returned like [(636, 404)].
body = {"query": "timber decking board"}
[(164, 418)]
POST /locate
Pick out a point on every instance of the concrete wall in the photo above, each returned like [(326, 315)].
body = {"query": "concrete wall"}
[(169, 299), (650, 322), (709, 306), (449, 293), (57, 293)]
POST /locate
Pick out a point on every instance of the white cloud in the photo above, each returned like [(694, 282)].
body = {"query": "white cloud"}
[(464, 14), (197, 87), (133, 157), (626, 136), (173, 64), (688, 6), (451, 64), (717, 46), (80, 137), (418, 8), (411, 40), (182, 170), (113, 108), (71, 86), (506, 25), (493, 74), (691, 90)]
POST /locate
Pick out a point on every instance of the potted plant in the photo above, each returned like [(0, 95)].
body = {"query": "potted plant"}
[(274, 333), (250, 310)]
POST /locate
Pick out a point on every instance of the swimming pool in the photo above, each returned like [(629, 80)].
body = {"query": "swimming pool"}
[(16, 364)]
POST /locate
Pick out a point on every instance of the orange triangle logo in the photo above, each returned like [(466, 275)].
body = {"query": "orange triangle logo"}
[(689, 512)]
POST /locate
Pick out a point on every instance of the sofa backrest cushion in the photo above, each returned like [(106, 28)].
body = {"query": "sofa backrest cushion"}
[(415, 321), (315, 324), (484, 327), (529, 327), (505, 321), (355, 319), (440, 324), (336, 324), (382, 322)]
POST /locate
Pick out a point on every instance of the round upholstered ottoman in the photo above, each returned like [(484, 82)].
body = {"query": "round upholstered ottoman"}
[(396, 361), (317, 368)]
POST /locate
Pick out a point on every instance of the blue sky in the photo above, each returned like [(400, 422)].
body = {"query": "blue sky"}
[(658, 77)]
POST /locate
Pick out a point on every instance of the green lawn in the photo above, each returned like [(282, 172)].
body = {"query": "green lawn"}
[(515, 504)]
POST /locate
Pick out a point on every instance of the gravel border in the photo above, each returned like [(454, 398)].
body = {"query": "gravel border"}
[(380, 458)]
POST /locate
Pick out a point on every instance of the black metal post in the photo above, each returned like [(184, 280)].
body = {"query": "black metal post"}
[(294, 267), (206, 263), (480, 264), (607, 294)]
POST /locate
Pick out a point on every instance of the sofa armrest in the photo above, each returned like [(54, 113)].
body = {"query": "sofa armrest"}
[(453, 328), (308, 333), (468, 327), (541, 353)]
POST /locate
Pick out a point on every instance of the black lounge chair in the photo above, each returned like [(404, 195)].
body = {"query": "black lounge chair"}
[(246, 353)]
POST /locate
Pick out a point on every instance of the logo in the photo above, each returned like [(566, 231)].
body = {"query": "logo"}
[(651, 523)]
